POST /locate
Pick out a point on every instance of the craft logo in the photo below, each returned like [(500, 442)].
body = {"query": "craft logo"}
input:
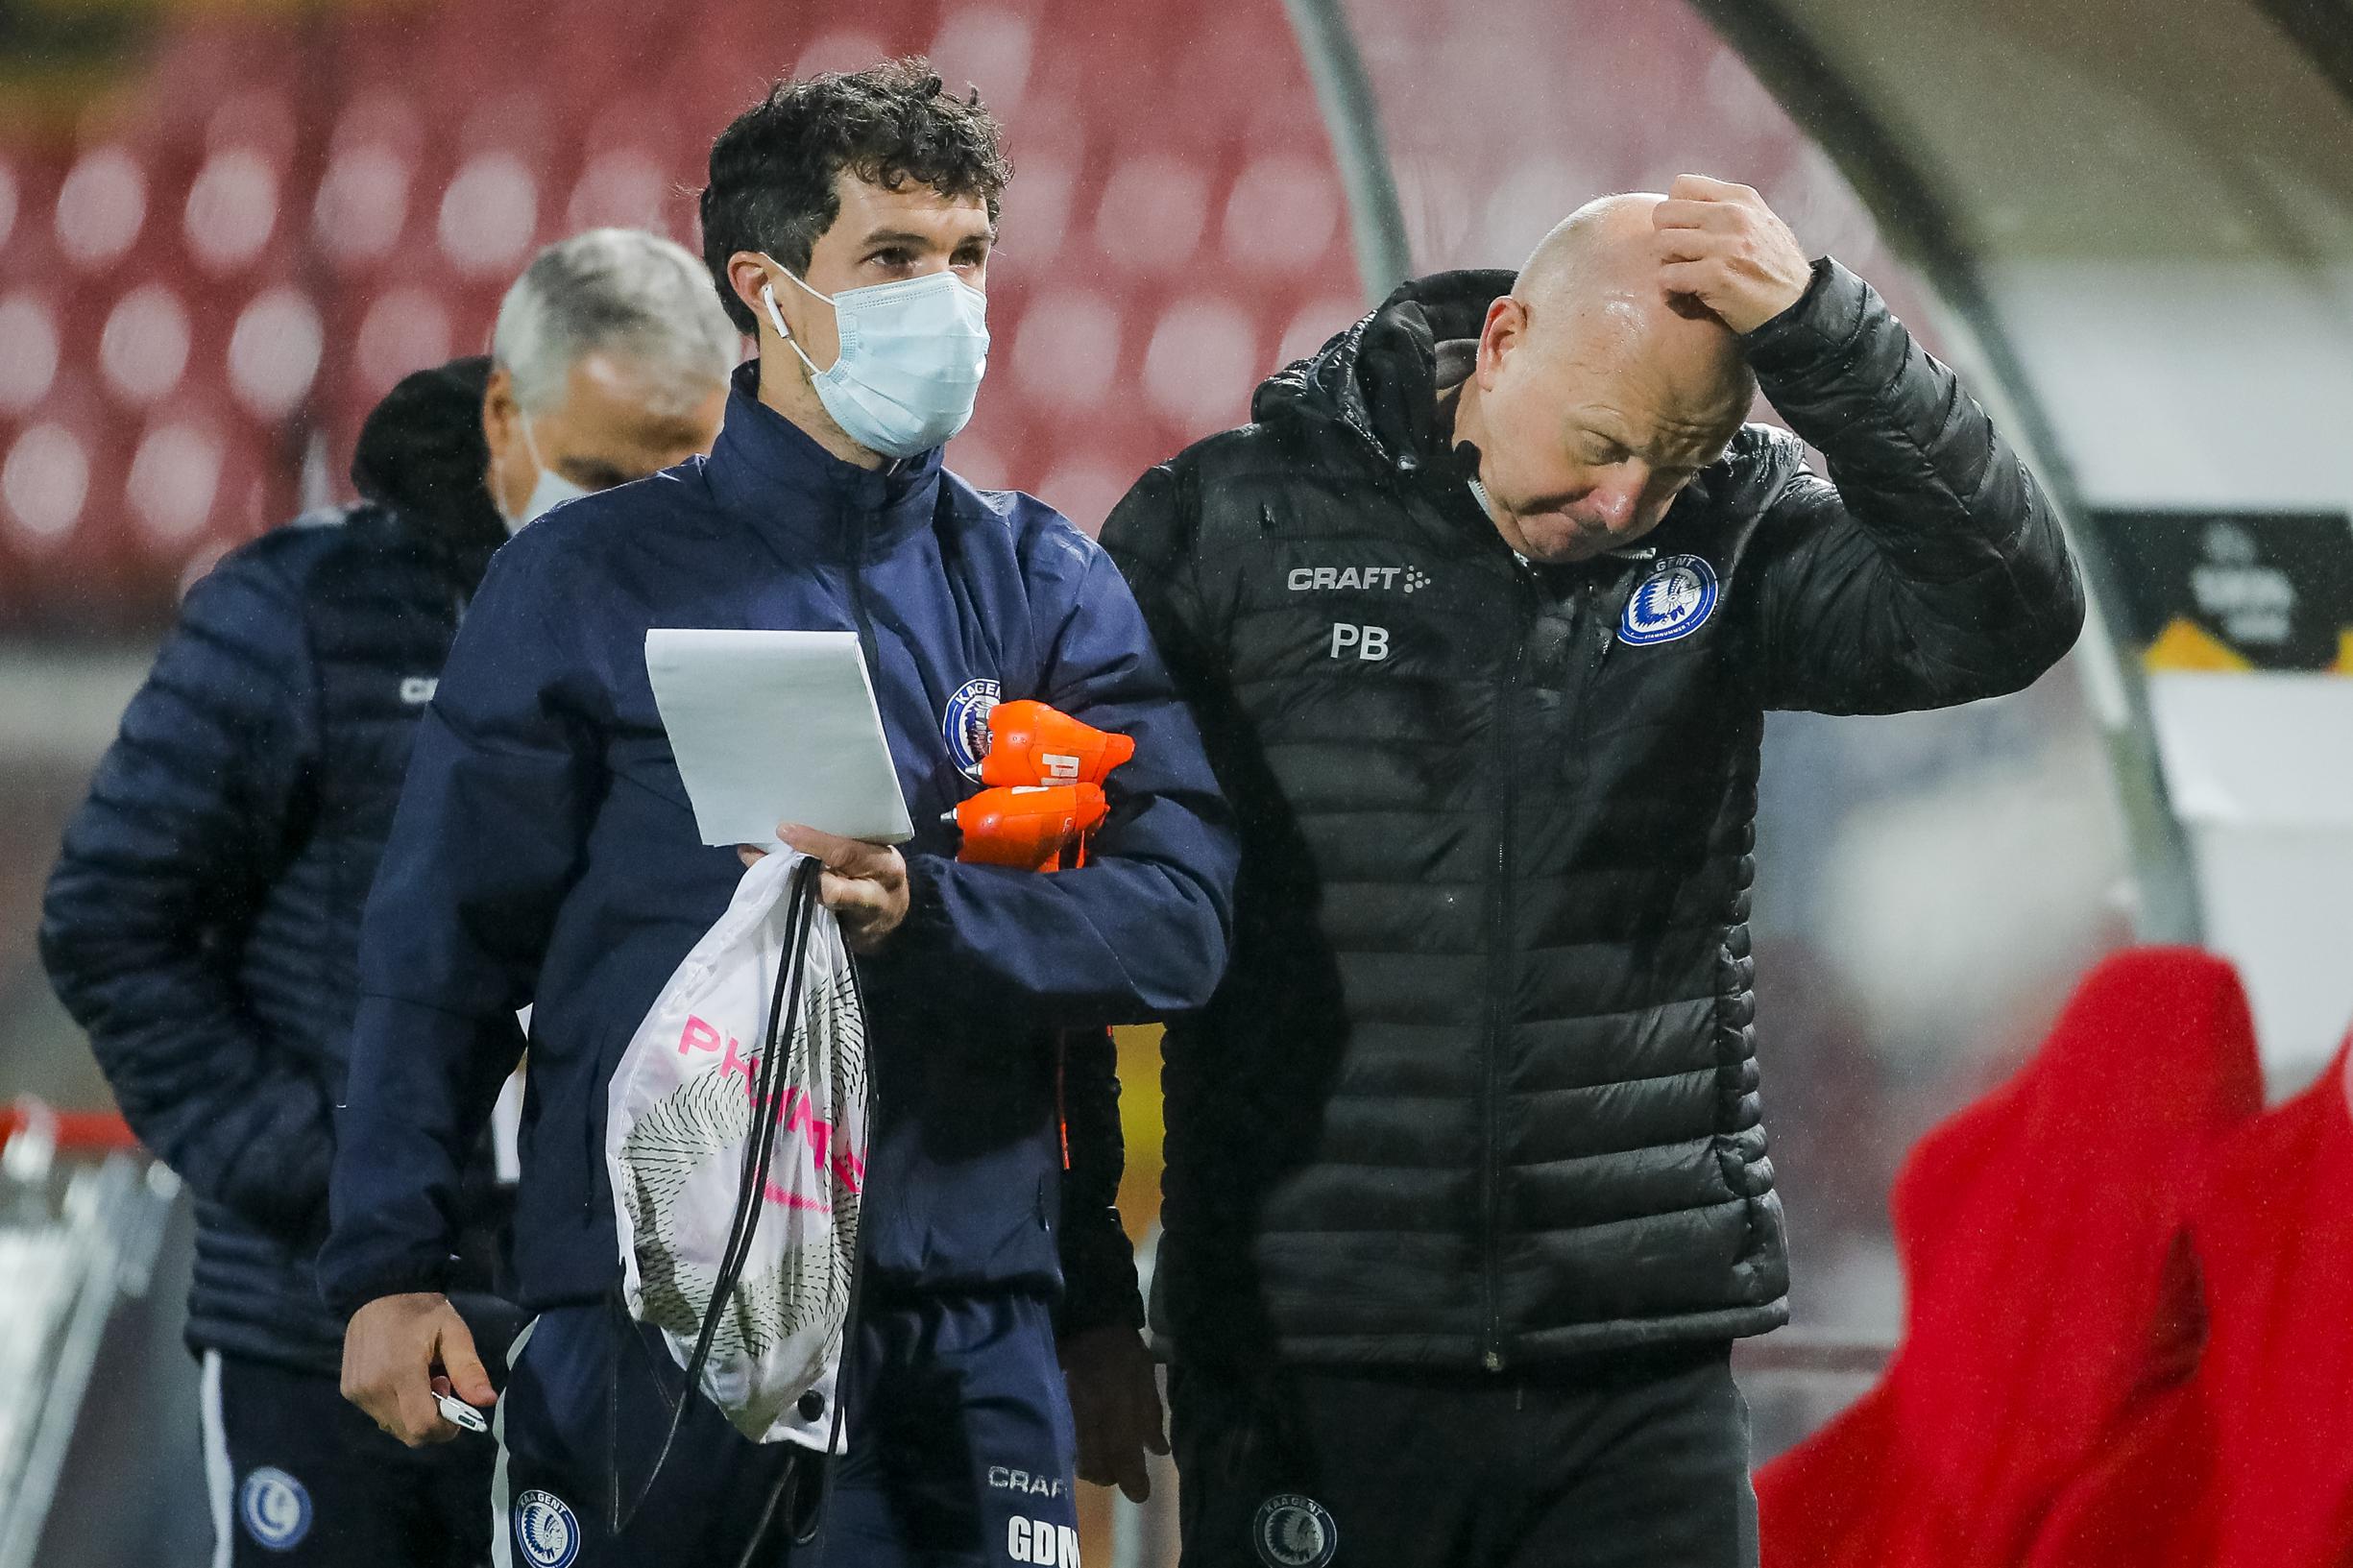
[(1315, 579), (966, 723), (1040, 1482), (1673, 601), (2234, 588)]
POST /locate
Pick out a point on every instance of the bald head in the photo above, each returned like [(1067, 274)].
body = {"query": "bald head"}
[(1596, 273), (1597, 393), (1601, 246)]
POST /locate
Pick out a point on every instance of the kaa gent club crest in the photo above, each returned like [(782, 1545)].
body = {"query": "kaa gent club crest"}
[(546, 1530), (1674, 600), (276, 1508), (1294, 1532), (966, 723)]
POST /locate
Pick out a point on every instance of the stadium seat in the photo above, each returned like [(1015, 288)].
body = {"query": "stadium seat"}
[(1176, 192), (1175, 222), (64, 543), (143, 346)]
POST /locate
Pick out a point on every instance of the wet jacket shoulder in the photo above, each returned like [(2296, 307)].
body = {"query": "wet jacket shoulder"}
[(202, 921), (1929, 541), (1482, 1085)]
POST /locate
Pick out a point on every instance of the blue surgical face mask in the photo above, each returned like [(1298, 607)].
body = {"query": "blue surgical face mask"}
[(553, 488), (913, 354)]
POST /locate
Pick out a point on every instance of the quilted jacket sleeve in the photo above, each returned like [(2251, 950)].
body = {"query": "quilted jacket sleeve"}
[(162, 871), (1930, 569)]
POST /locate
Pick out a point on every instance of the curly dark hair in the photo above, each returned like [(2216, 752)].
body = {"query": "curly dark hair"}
[(773, 168)]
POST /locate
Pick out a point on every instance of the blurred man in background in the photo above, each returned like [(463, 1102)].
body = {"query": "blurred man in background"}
[(1468, 1193), (547, 850), (202, 923)]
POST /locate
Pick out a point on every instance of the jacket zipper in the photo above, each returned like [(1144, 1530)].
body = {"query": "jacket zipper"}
[(1601, 601), (1503, 974), (854, 561)]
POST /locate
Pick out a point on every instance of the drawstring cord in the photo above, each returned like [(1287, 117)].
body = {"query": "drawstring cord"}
[(785, 1007), (849, 1326)]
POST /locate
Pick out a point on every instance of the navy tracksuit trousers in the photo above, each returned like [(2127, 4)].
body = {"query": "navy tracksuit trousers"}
[(959, 1450), (301, 1479)]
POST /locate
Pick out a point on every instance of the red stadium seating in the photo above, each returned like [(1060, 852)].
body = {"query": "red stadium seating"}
[(369, 230), (1176, 228)]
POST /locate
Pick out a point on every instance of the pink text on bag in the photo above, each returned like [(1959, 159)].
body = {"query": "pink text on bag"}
[(792, 1110)]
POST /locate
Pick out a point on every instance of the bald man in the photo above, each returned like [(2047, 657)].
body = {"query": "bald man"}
[(1468, 1195)]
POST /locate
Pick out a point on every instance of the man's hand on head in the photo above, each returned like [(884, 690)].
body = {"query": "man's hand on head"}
[(1719, 244), (865, 884)]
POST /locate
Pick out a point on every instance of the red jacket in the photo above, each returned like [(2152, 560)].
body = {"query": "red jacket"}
[(2042, 1233), (2249, 1464)]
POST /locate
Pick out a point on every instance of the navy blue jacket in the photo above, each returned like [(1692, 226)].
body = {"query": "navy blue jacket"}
[(545, 853), (203, 922)]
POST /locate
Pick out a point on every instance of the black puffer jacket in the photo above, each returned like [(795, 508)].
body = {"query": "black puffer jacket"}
[(1480, 1088), (203, 922)]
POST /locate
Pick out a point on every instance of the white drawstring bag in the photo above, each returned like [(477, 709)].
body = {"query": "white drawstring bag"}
[(739, 1231)]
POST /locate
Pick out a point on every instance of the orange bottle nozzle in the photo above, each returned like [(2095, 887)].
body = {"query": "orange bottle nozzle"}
[(1030, 743)]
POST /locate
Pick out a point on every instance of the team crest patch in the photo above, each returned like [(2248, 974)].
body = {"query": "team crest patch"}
[(274, 1507), (1293, 1531), (966, 723), (1674, 600), (545, 1531)]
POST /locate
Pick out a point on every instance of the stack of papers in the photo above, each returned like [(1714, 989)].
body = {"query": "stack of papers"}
[(776, 727)]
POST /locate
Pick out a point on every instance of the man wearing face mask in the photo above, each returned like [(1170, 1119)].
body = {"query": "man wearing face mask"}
[(601, 371), (1467, 1193), (546, 851), (203, 922)]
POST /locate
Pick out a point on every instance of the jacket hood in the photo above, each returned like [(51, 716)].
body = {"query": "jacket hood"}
[(421, 454), (1379, 377)]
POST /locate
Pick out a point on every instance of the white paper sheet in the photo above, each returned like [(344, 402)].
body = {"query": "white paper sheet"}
[(773, 727)]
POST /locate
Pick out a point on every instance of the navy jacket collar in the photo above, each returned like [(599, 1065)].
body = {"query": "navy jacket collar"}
[(771, 472)]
